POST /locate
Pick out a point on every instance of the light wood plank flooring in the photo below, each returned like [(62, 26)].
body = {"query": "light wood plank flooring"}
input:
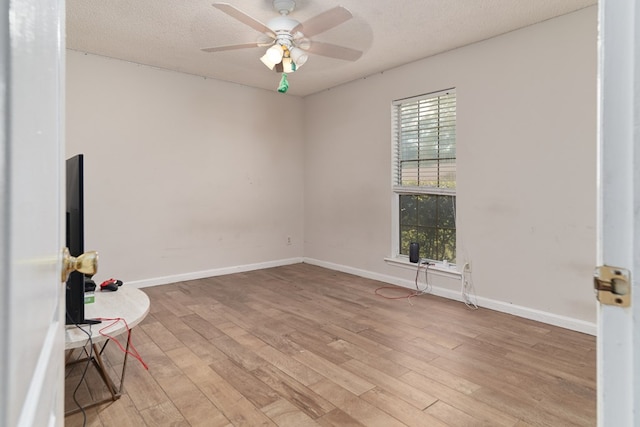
[(305, 346)]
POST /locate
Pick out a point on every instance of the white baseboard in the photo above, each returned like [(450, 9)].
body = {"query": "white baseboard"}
[(165, 280), (504, 307)]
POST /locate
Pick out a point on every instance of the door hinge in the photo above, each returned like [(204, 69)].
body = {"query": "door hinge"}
[(612, 285)]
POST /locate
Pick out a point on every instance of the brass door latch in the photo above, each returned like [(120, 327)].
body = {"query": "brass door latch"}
[(613, 285)]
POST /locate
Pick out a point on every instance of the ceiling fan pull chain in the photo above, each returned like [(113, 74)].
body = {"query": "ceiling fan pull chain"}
[(284, 84)]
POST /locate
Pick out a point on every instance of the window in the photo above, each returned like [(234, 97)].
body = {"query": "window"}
[(424, 182)]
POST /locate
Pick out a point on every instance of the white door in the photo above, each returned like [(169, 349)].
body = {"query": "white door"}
[(31, 174), (619, 208)]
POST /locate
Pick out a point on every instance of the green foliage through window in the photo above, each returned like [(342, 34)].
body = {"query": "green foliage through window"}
[(429, 220)]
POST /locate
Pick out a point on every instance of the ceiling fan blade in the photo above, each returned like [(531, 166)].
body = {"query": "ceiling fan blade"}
[(231, 47), (323, 22), (334, 51), (244, 18)]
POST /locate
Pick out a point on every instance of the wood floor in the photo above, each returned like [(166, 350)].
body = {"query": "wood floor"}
[(304, 346)]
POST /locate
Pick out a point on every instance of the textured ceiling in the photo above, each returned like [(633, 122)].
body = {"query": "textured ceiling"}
[(170, 33)]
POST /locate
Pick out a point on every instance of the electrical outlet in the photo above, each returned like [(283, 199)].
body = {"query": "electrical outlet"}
[(288, 240)]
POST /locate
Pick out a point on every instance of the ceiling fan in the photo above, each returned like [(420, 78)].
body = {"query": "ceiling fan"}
[(289, 40)]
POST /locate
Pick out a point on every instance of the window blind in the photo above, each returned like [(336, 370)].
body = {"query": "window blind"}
[(425, 141)]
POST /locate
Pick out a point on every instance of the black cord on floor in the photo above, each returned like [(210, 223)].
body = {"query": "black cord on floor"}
[(84, 371)]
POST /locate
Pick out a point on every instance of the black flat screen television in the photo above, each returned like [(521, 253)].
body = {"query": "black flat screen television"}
[(75, 239)]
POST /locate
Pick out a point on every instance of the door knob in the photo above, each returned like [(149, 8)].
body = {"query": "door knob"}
[(86, 263)]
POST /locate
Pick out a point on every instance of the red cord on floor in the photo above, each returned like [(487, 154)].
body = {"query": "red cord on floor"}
[(408, 296)]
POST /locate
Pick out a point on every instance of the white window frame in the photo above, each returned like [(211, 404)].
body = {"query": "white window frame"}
[(398, 190)]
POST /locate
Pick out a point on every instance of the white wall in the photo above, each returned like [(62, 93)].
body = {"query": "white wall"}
[(184, 176), (526, 169), (188, 177)]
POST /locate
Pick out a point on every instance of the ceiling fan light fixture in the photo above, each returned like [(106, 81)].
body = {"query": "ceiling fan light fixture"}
[(275, 53), (266, 61), (299, 56), (289, 39), (288, 66)]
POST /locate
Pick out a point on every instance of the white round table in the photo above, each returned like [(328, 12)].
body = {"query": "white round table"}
[(130, 304)]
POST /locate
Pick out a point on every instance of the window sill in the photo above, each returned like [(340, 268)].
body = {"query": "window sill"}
[(438, 269)]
